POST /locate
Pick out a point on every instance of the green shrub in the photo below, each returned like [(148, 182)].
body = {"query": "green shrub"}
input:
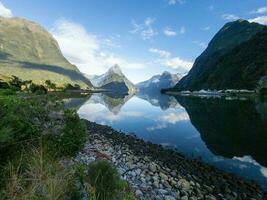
[(104, 178), (4, 85), (7, 92), (19, 119), (73, 136), (37, 89)]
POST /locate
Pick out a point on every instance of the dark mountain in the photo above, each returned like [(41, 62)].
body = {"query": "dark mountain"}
[(158, 82), (235, 58), (29, 52), (114, 80)]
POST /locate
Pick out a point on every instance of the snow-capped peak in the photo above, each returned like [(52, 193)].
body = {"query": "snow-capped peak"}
[(115, 69)]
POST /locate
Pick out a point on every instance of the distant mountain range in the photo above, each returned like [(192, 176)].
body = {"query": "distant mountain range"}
[(29, 52), (235, 58), (158, 82), (113, 80)]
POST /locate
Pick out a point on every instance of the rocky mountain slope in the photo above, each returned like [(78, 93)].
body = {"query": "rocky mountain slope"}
[(29, 52), (235, 58), (158, 82), (114, 80)]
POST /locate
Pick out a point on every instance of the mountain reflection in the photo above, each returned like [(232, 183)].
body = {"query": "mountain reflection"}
[(159, 100), (230, 128), (113, 102)]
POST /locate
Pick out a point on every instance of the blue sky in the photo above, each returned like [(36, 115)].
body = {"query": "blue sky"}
[(145, 37)]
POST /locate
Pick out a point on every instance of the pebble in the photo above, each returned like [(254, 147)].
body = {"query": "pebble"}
[(156, 178)]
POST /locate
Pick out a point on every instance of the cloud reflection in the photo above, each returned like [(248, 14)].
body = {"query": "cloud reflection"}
[(169, 118)]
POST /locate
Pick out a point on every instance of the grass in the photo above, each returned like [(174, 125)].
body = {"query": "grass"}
[(36, 133)]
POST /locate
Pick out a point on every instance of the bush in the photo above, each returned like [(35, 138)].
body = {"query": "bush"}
[(19, 119), (105, 180), (37, 89), (73, 136), (7, 92), (4, 85)]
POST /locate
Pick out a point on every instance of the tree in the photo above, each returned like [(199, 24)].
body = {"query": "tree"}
[(50, 86)]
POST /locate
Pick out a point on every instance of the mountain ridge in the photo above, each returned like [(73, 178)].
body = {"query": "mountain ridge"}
[(30, 52), (228, 39), (113, 80), (158, 82)]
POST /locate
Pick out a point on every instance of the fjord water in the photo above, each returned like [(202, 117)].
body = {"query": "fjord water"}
[(229, 134)]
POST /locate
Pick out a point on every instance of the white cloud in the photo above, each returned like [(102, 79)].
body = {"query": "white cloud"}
[(206, 28), (200, 44), (86, 50), (5, 12), (168, 61), (260, 20), (179, 64), (161, 53), (261, 10), (230, 17), (145, 29), (173, 2), (169, 32)]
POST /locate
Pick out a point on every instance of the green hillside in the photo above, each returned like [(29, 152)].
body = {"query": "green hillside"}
[(235, 58), (31, 53)]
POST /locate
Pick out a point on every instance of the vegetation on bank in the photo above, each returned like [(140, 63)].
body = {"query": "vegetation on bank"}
[(36, 135)]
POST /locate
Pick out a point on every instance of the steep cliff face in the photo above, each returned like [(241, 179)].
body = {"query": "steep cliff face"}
[(235, 58), (114, 80), (28, 51)]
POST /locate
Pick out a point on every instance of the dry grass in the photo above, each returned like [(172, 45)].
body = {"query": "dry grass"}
[(37, 176)]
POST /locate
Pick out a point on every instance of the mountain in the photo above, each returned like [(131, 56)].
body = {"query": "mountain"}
[(29, 52), (158, 82), (235, 58), (114, 80)]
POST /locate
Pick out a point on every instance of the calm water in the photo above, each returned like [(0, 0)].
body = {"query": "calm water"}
[(229, 134)]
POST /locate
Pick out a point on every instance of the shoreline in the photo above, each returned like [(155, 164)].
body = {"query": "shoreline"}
[(154, 172)]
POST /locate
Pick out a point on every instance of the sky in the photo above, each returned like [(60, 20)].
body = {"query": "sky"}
[(145, 37)]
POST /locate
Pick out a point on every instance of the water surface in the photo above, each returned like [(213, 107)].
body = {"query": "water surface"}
[(229, 134)]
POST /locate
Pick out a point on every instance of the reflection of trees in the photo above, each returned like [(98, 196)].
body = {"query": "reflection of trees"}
[(230, 128)]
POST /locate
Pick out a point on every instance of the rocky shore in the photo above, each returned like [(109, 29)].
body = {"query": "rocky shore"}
[(154, 172)]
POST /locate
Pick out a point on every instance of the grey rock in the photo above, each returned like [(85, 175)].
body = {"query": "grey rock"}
[(138, 193), (184, 198)]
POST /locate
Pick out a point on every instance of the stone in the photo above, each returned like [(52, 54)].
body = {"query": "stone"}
[(210, 197), (183, 184), (138, 193), (169, 198), (156, 184), (138, 171), (184, 198), (173, 173), (152, 167), (162, 191), (163, 176)]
